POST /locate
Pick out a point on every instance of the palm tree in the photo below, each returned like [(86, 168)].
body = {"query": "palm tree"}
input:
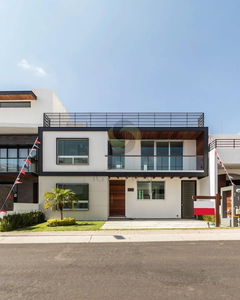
[(58, 198)]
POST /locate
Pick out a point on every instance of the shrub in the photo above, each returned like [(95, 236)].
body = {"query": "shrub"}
[(59, 222), (208, 218), (21, 220)]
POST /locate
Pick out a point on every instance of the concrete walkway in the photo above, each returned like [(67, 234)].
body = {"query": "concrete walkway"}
[(154, 224), (119, 236)]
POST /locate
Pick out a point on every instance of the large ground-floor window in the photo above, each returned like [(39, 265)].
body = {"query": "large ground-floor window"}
[(151, 190), (13, 159), (82, 192)]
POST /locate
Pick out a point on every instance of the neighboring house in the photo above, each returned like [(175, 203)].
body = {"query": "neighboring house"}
[(21, 113), (134, 165), (228, 148)]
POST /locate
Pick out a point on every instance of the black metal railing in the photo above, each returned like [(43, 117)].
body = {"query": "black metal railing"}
[(123, 120), (224, 143)]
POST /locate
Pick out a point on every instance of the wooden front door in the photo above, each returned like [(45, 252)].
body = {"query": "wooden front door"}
[(188, 190), (117, 198)]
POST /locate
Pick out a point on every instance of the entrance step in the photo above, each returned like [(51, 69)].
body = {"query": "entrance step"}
[(118, 218)]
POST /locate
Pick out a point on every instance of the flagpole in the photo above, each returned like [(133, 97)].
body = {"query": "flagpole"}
[(19, 174)]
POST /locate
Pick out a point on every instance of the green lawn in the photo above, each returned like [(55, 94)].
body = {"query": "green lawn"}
[(80, 226)]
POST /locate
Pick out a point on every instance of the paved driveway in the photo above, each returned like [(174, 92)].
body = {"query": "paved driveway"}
[(154, 224)]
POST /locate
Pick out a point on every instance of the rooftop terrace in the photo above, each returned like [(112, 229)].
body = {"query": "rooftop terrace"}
[(123, 119)]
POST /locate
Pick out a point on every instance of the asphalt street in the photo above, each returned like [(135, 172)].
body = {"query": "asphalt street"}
[(162, 270)]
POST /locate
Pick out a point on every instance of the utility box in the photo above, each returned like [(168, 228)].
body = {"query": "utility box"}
[(237, 211), (230, 205)]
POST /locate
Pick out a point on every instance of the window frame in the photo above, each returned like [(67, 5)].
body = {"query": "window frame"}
[(71, 156), (169, 156), (80, 201), (151, 190), (112, 158), (15, 104), (19, 159)]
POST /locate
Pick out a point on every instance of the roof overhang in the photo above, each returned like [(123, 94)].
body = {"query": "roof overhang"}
[(17, 95), (152, 134)]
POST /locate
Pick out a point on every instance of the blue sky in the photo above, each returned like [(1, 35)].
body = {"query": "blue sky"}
[(127, 55)]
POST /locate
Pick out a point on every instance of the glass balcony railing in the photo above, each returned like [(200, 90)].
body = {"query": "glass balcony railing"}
[(15, 165), (155, 163)]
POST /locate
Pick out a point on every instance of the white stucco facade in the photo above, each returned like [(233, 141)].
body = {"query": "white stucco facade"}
[(169, 207), (98, 148), (24, 120), (98, 196)]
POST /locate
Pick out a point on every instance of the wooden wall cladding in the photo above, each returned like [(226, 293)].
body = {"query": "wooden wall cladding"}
[(221, 182), (14, 97), (155, 135), (200, 144)]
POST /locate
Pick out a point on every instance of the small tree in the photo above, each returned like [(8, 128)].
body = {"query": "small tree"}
[(58, 198)]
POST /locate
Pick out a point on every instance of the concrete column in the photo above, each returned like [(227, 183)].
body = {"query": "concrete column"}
[(213, 173)]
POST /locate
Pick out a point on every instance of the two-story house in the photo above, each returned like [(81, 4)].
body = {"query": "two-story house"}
[(133, 165), (21, 113)]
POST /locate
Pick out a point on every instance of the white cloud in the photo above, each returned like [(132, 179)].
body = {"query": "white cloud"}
[(37, 70), (40, 71), (24, 64)]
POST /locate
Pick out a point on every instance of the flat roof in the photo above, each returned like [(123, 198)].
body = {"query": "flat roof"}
[(17, 95)]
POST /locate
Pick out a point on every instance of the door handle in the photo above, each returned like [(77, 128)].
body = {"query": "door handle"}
[(111, 199)]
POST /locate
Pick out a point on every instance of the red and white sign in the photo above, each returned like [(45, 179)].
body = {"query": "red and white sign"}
[(204, 208)]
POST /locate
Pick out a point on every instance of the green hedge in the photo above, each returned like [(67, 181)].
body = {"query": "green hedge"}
[(21, 220), (59, 222)]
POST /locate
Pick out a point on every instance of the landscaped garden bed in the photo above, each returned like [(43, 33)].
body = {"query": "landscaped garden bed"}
[(79, 226)]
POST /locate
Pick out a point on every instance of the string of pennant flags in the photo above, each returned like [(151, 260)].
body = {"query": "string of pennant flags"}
[(225, 170), (22, 172), (221, 163)]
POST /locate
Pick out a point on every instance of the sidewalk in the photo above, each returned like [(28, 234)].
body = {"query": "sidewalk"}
[(118, 236)]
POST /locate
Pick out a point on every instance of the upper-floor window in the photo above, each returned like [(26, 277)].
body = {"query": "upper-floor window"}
[(72, 151), (161, 155), (169, 155), (116, 152), (147, 153), (15, 104)]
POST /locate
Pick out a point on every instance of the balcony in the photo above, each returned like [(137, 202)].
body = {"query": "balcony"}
[(225, 143), (155, 163), (119, 120), (229, 152)]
